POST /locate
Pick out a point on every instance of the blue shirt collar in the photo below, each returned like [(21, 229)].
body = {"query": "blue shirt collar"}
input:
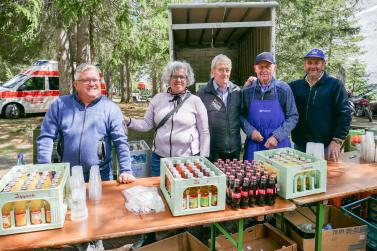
[(217, 87)]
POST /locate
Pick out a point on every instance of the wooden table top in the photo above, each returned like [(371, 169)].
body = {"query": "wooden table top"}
[(347, 177), (110, 219)]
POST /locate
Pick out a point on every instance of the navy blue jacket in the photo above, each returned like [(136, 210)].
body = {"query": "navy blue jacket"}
[(323, 109)]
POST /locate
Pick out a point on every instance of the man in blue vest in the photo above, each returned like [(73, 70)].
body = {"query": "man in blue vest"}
[(268, 108)]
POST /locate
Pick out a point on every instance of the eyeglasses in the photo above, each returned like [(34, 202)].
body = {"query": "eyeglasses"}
[(87, 81), (175, 77)]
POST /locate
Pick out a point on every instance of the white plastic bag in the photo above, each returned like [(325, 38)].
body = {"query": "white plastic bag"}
[(143, 200)]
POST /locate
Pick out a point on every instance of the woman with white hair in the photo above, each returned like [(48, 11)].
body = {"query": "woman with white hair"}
[(179, 118)]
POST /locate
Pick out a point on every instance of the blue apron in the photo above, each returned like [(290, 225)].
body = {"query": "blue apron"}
[(266, 116)]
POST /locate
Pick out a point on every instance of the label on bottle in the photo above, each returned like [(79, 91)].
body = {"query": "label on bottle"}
[(204, 200), (6, 221), (261, 191), (270, 191), (48, 216), (20, 219), (193, 202), (36, 217), (251, 192), (236, 195), (244, 193)]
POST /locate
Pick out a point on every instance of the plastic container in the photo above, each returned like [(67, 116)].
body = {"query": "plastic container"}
[(295, 178), (365, 210), (177, 187), (34, 209), (140, 158), (95, 184)]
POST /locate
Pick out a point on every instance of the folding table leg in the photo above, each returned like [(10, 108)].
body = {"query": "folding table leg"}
[(320, 218), (213, 237), (240, 234)]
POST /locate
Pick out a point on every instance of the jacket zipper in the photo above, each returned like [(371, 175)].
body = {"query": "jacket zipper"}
[(227, 118), (307, 104), (171, 132), (315, 94), (82, 132)]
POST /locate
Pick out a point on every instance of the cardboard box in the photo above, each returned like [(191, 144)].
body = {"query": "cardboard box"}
[(347, 233), (263, 236), (180, 242)]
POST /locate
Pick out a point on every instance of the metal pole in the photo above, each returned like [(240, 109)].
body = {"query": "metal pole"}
[(320, 218)]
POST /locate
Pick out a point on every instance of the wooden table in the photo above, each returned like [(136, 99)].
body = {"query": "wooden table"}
[(110, 219), (347, 177)]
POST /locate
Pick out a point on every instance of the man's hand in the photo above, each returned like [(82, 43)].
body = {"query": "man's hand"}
[(250, 80), (271, 142), (333, 151), (126, 178), (127, 120), (256, 136)]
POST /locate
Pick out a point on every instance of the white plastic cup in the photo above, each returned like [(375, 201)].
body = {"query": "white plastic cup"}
[(95, 184), (79, 210)]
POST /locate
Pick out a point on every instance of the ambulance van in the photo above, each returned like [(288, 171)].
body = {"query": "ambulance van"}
[(33, 90)]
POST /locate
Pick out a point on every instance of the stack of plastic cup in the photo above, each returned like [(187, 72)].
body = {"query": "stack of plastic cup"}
[(79, 210), (95, 184)]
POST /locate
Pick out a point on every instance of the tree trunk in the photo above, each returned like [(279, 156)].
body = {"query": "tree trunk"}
[(91, 40), (62, 43), (128, 80), (109, 84), (154, 79), (122, 84), (82, 38)]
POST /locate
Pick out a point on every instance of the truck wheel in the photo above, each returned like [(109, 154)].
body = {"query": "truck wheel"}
[(12, 111)]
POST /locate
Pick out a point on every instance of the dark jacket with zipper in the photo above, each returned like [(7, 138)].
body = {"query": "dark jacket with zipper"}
[(224, 121), (323, 109)]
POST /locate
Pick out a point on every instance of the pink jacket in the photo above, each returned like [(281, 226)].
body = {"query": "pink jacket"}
[(185, 133)]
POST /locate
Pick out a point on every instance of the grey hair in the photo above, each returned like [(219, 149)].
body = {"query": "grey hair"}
[(221, 58), (84, 67), (174, 66)]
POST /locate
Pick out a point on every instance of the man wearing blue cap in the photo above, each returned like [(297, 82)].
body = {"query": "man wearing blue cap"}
[(268, 109), (322, 104)]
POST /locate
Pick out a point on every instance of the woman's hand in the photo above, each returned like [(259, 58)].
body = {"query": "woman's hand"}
[(249, 81)]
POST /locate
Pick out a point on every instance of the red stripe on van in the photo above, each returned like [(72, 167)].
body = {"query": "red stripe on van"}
[(42, 73), (10, 94)]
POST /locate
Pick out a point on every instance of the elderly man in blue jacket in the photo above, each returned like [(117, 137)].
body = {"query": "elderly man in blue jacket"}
[(268, 109), (86, 124), (322, 103)]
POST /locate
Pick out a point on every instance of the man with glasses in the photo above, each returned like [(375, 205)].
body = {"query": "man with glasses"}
[(222, 99), (86, 125)]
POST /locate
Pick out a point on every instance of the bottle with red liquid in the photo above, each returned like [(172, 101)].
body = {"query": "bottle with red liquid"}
[(262, 191), (236, 194), (229, 188), (245, 193), (253, 191)]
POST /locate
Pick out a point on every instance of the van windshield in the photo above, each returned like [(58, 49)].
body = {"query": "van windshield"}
[(14, 81)]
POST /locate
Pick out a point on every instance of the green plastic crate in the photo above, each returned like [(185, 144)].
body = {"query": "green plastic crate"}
[(365, 210), (57, 198), (287, 173), (174, 198)]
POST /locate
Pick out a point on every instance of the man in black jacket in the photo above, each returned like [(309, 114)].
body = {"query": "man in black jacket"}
[(222, 99), (322, 104)]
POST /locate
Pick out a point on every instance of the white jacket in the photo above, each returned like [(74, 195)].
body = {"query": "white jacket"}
[(185, 133)]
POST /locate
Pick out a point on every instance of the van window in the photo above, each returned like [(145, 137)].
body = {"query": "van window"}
[(54, 83), (33, 84)]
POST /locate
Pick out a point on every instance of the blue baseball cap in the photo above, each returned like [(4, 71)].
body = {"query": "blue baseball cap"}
[(316, 53), (265, 56)]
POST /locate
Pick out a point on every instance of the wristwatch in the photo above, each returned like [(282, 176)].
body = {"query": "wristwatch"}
[(337, 140), (128, 123)]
